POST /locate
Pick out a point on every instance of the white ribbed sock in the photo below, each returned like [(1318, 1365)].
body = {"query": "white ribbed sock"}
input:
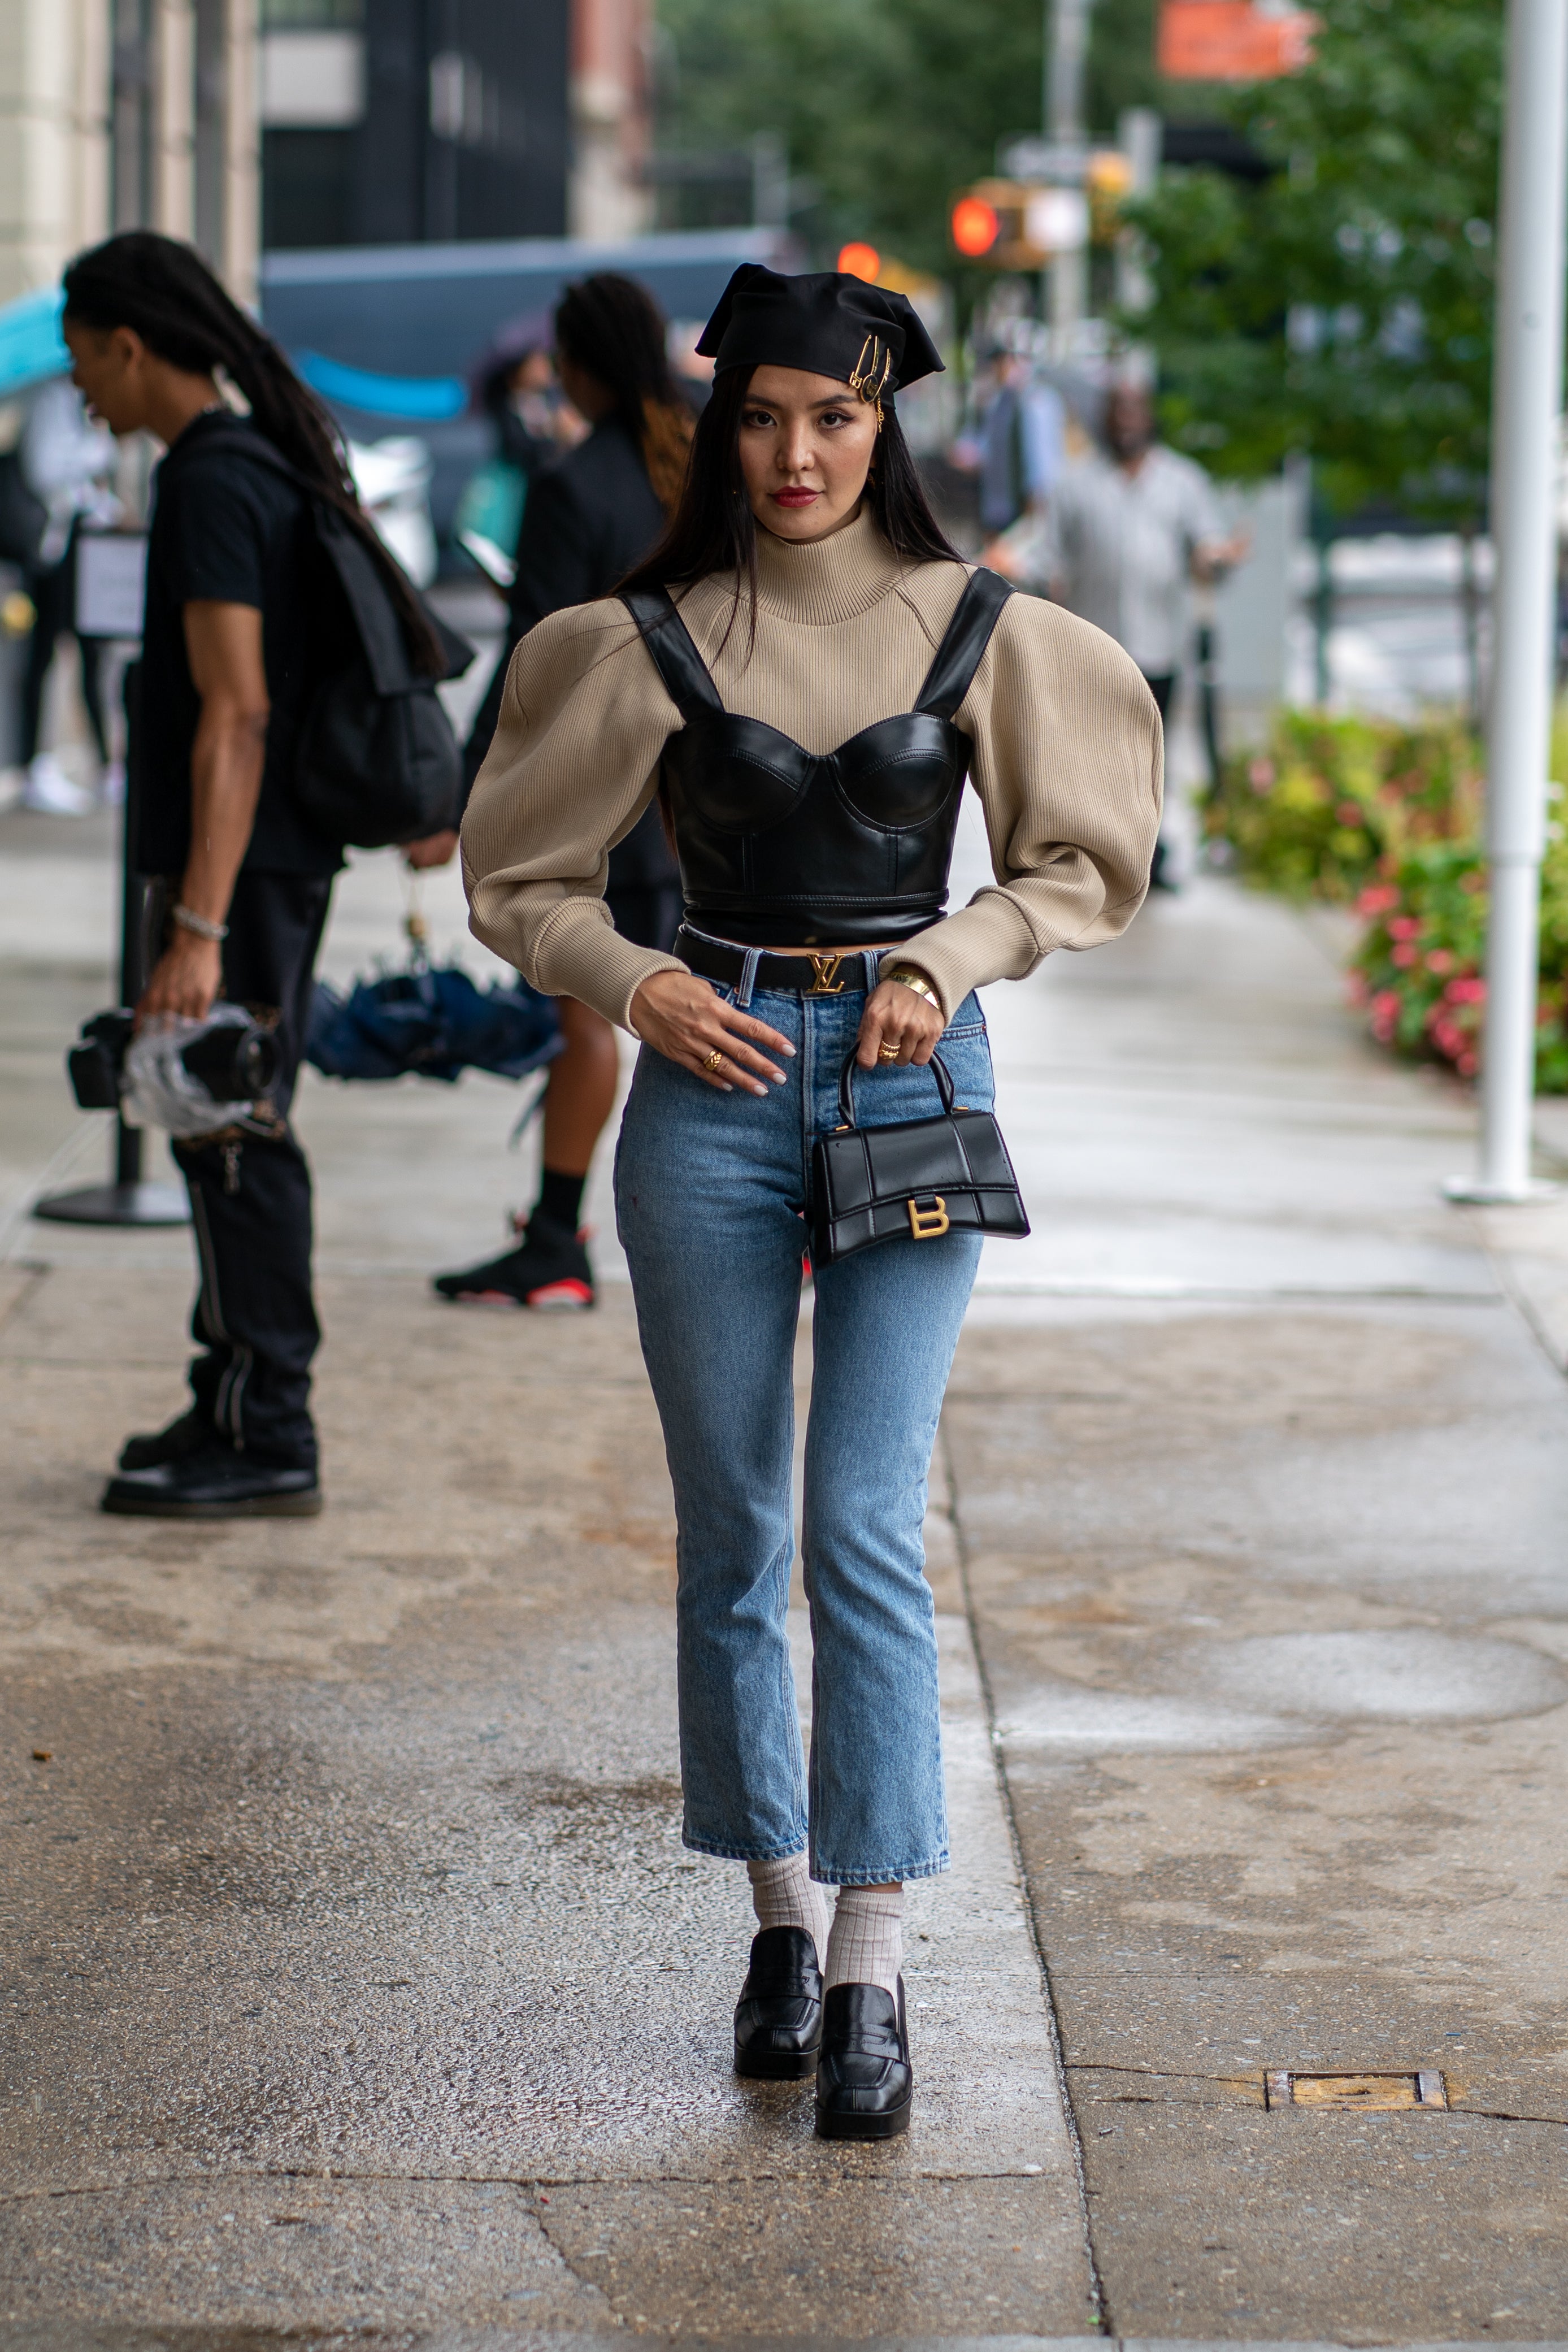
[(785, 1894), (866, 1944)]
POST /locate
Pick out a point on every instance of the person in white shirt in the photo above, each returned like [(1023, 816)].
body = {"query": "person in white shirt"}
[(1128, 529), (66, 460)]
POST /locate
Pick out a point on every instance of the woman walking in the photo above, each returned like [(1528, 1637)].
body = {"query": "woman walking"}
[(803, 672), (588, 519)]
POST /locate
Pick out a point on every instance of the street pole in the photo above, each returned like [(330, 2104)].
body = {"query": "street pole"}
[(1527, 381), (1066, 54)]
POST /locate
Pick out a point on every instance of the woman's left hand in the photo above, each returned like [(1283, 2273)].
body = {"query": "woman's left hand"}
[(898, 1016)]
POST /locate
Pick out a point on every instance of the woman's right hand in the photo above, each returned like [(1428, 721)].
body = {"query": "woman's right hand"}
[(679, 1016)]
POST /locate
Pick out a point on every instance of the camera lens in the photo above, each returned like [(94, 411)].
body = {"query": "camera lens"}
[(234, 1065)]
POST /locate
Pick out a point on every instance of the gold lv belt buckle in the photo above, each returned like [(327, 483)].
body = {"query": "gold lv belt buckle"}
[(827, 981), (926, 1223)]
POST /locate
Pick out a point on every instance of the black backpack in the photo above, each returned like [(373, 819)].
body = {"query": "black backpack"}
[(375, 760)]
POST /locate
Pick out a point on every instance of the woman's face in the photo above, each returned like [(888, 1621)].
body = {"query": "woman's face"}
[(806, 447)]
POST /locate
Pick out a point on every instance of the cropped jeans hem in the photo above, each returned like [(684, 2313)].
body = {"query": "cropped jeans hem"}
[(722, 1851), (822, 1875), (825, 1875)]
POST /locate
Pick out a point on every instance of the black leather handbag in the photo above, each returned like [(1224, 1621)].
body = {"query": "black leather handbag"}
[(923, 1178)]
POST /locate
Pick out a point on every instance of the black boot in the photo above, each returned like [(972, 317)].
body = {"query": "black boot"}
[(549, 1269), (778, 2017), (215, 1483), (865, 2088), (187, 1436)]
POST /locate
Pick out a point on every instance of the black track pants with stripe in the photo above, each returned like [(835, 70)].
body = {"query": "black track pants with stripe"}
[(254, 1316)]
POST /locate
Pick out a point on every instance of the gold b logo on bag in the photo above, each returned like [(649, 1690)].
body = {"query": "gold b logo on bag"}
[(926, 1223), (827, 981)]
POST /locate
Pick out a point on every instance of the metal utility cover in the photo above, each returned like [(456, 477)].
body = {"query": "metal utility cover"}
[(1425, 2088)]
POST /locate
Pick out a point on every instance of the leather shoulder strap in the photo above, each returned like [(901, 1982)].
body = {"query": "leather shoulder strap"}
[(963, 646), (676, 657)]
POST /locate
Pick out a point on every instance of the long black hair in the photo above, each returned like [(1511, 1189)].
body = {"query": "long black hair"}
[(614, 330), (165, 293), (713, 530)]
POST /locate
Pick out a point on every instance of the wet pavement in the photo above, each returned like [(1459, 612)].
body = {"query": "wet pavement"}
[(358, 1988)]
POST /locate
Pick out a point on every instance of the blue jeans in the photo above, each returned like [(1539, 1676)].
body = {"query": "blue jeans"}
[(710, 1189)]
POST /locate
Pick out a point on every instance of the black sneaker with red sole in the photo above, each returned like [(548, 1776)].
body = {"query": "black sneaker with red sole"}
[(549, 1269)]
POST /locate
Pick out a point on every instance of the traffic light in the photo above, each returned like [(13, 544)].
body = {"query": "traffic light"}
[(858, 260), (975, 226), (1023, 224)]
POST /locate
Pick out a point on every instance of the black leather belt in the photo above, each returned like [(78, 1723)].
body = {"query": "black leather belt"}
[(812, 974)]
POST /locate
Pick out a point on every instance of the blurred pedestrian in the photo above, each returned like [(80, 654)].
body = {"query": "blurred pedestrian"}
[(805, 673), (516, 387), (237, 636), (589, 518), (66, 461), (1128, 529), (1022, 445)]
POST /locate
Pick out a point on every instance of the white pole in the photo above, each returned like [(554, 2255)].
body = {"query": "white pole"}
[(1066, 59), (1526, 394)]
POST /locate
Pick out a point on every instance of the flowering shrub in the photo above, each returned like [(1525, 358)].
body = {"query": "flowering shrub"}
[(1417, 969), (1388, 820), (1328, 802)]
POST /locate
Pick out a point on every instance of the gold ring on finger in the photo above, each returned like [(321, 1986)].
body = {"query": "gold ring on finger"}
[(887, 1052), (711, 1061)]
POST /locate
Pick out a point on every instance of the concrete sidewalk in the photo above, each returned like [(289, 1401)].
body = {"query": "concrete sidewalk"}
[(360, 1984)]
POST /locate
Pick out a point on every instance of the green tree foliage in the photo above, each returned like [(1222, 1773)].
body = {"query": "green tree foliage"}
[(1343, 308), (885, 106)]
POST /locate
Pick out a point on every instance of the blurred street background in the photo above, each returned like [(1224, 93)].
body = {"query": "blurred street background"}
[(359, 1990)]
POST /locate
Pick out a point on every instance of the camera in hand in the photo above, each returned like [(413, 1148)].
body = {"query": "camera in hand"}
[(232, 1056)]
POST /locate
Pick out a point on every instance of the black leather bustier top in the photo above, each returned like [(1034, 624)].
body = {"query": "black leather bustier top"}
[(781, 848)]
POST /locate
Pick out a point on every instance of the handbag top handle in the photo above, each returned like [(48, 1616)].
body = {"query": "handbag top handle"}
[(938, 1067)]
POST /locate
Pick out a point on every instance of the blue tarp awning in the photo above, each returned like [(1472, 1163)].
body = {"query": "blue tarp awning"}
[(419, 399), (30, 345)]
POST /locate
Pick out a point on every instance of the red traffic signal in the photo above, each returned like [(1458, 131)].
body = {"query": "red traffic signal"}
[(975, 225)]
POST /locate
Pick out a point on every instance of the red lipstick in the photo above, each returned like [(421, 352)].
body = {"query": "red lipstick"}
[(794, 498)]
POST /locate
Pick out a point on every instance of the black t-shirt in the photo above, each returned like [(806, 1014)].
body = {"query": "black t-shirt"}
[(229, 528)]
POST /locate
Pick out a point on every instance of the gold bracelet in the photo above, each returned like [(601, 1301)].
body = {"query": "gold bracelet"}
[(907, 977)]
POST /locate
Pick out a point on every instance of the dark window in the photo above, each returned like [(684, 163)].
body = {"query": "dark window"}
[(307, 187)]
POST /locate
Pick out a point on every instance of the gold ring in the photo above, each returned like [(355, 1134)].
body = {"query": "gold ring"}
[(887, 1052), (711, 1061)]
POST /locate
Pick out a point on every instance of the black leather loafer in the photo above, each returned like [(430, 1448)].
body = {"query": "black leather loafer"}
[(865, 2088), (215, 1483), (778, 2017)]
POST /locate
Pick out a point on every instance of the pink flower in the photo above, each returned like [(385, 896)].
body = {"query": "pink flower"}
[(1376, 898), (1471, 990), (1385, 1012), (1404, 926), (1260, 776), (1405, 955), (1348, 812), (1469, 1064), (1441, 960)]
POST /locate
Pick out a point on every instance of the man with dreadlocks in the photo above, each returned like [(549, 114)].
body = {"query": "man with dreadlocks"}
[(588, 521), (236, 637)]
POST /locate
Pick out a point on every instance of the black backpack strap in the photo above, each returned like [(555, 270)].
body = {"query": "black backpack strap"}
[(676, 657), (962, 649)]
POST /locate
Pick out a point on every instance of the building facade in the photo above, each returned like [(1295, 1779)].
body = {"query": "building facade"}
[(126, 114), (397, 121), (301, 123)]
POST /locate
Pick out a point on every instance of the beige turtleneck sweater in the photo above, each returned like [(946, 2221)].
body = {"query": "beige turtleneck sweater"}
[(1067, 759)]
